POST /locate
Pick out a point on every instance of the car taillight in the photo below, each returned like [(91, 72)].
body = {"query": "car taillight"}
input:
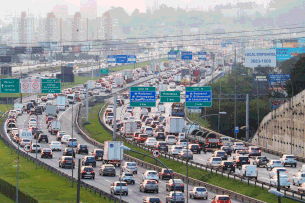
[(73, 161), (217, 154), (224, 165), (92, 171), (195, 192), (172, 184), (42, 153), (233, 165), (295, 159), (238, 160), (51, 153), (272, 164), (248, 160), (158, 145), (182, 184), (235, 145), (64, 161)]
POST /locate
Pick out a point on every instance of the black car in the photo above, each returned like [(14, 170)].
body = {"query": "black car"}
[(82, 148), (226, 166), (162, 146), (46, 153), (68, 152), (37, 133), (160, 136), (241, 160), (194, 148), (39, 110), (34, 102), (32, 111), (89, 161), (66, 162), (98, 154), (43, 137), (87, 171), (166, 174), (228, 150)]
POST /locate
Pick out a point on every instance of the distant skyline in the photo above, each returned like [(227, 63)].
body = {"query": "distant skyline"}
[(41, 7)]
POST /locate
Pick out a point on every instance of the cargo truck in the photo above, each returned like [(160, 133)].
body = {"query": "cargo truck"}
[(212, 142), (185, 71), (25, 134), (127, 74), (119, 81), (174, 125), (129, 128), (177, 79), (51, 110), (113, 154), (55, 127)]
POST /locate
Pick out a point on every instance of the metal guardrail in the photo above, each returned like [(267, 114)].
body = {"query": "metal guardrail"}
[(232, 194), (62, 174)]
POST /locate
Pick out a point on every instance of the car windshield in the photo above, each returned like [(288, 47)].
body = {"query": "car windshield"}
[(262, 158), (161, 143), (255, 148), (151, 182), (168, 171), (277, 162), (144, 135), (224, 198), (217, 159), (83, 146), (88, 169), (281, 170), (228, 163), (290, 157), (152, 199), (243, 158), (201, 189), (178, 181), (26, 140), (47, 150), (239, 144), (178, 147), (67, 158), (152, 173), (131, 164), (121, 184), (177, 194), (128, 174), (99, 151), (221, 153), (90, 158)]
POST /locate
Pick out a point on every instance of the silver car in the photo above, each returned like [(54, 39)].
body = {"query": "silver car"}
[(177, 197), (127, 177), (199, 192), (118, 187), (186, 154), (130, 167), (149, 185)]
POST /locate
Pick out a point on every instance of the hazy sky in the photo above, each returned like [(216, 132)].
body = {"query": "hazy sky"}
[(43, 6)]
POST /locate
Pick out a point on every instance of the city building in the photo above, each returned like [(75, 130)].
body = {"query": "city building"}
[(61, 11), (88, 9), (23, 29), (111, 29)]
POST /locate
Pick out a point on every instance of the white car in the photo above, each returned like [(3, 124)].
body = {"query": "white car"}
[(180, 136), (150, 142), (182, 142), (130, 167), (98, 85), (95, 92), (131, 119), (65, 138), (174, 150), (170, 139), (35, 148), (214, 161), (19, 112), (103, 89), (150, 175), (289, 160), (284, 180), (238, 146), (55, 145), (273, 163), (199, 192), (24, 142), (274, 171), (62, 107), (50, 96)]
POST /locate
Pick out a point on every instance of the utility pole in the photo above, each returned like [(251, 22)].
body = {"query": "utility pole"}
[(114, 117), (87, 105), (72, 145), (78, 182), (17, 188), (278, 185), (219, 105), (92, 69), (247, 117), (235, 94)]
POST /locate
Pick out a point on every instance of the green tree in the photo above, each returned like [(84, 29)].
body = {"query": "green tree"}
[(296, 84)]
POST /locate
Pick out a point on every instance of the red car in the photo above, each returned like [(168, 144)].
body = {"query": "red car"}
[(221, 199), (142, 138)]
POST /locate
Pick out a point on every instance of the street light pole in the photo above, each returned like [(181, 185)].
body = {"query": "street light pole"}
[(279, 194), (128, 149), (187, 139)]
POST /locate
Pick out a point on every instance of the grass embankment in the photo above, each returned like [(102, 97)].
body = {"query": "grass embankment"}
[(137, 65), (5, 199), (40, 184), (100, 134)]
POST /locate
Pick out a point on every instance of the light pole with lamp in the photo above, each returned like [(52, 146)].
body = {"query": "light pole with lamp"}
[(279, 194), (187, 166), (128, 149)]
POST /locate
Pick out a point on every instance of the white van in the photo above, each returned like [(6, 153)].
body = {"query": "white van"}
[(249, 171), (225, 139), (148, 131), (161, 108), (71, 98)]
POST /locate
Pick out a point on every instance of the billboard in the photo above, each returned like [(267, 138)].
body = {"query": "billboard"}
[(66, 70), (260, 84), (37, 50), (283, 54), (255, 58), (290, 44), (6, 70), (20, 50), (278, 81), (65, 77), (85, 46), (67, 48), (275, 103), (49, 46)]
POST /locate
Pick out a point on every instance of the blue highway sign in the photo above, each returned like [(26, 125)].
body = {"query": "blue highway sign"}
[(186, 55)]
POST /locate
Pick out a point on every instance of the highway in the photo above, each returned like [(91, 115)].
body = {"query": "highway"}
[(100, 181), (202, 158)]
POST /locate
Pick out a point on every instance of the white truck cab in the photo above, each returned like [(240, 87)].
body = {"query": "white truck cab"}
[(249, 171)]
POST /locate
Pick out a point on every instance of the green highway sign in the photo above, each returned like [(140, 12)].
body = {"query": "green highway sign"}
[(143, 96), (104, 71), (142, 104), (149, 89), (50, 86), (176, 51), (198, 96), (10, 86), (170, 96)]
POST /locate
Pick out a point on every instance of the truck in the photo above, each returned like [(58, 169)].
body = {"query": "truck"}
[(127, 74), (177, 79), (55, 127), (71, 98), (212, 142), (184, 82), (196, 76), (190, 127), (25, 134), (185, 71), (129, 128), (119, 81), (113, 154), (161, 107), (51, 110), (177, 109), (61, 99), (174, 125)]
